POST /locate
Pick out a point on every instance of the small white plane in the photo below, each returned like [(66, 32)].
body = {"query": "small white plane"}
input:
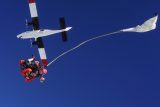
[(40, 33)]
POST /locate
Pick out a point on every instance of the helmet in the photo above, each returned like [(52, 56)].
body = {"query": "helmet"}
[(44, 71)]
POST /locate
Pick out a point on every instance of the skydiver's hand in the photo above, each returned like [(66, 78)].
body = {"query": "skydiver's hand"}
[(27, 77), (33, 74)]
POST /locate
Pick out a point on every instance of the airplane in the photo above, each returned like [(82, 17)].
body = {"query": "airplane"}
[(38, 33)]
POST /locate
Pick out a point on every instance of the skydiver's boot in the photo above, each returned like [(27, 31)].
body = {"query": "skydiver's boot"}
[(42, 79)]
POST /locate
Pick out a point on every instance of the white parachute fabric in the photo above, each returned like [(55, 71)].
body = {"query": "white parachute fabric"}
[(148, 25)]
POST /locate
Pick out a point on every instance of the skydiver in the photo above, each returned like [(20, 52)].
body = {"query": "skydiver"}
[(30, 74), (32, 69)]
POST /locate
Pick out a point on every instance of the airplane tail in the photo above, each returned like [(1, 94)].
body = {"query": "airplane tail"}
[(63, 26)]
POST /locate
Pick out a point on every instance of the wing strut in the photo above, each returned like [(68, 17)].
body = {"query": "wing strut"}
[(35, 24)]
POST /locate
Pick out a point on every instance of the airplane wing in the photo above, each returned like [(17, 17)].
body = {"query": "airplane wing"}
[(35, 24)]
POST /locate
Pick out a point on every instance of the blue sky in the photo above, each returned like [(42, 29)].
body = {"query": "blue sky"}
[(121, 70)]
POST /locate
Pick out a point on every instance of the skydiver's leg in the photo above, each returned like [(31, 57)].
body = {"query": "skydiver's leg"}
[(22, 64)]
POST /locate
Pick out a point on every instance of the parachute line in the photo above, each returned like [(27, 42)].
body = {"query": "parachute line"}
[(79, 45)]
